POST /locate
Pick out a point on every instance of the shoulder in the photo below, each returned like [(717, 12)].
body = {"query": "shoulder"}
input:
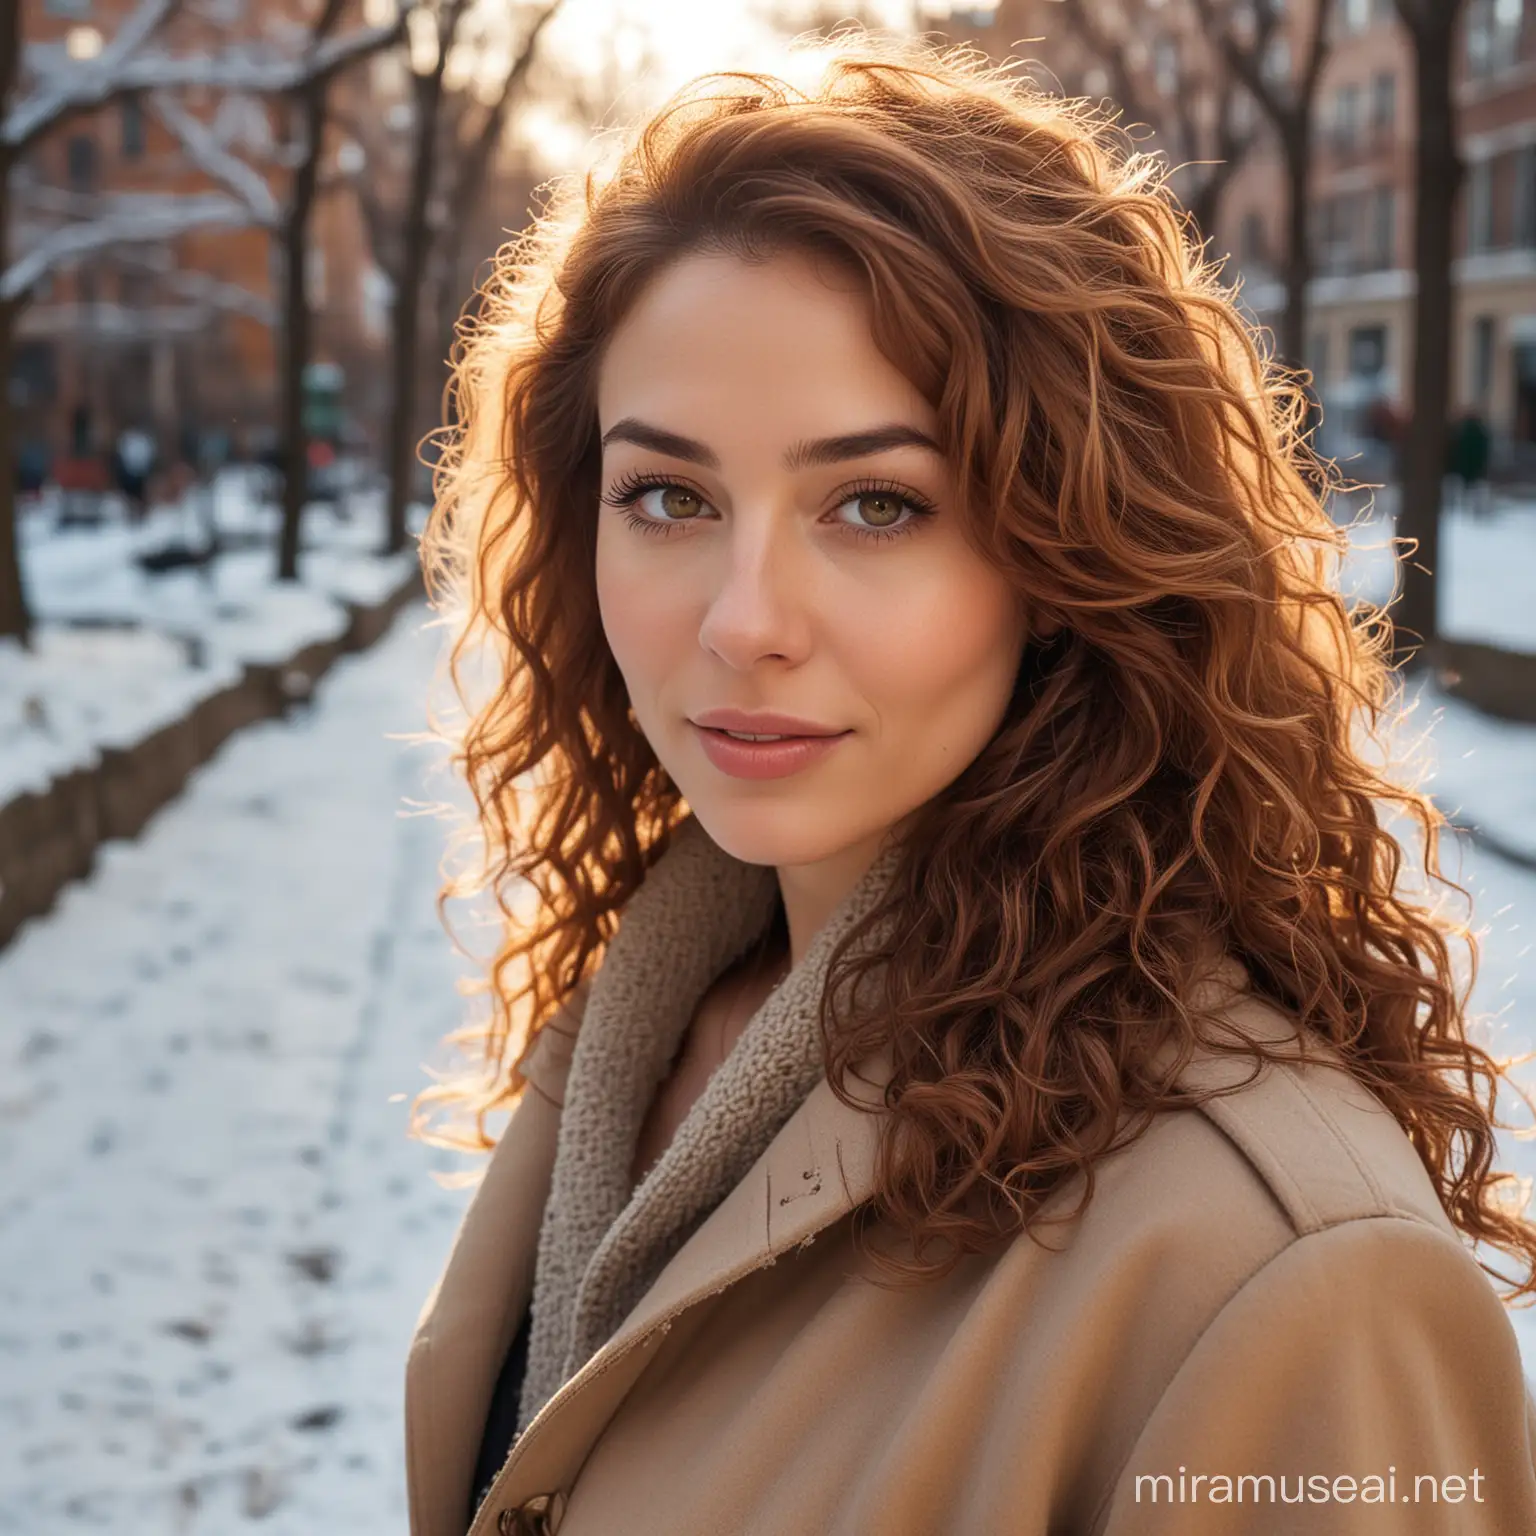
[(1270, 1153), (1310, 1297), (1323, 1146)]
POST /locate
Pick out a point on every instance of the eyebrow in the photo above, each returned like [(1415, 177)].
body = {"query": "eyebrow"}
[(802, 455)]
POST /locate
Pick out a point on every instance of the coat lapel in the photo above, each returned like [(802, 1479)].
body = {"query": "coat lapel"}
[(817, 1169), (469, 1319)]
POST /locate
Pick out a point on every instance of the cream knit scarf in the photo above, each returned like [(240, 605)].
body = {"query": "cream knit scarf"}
[(697, 912)]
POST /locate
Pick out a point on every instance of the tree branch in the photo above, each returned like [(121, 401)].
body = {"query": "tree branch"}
[(476, 160), (211, 157), (136, 218), (88, 85)]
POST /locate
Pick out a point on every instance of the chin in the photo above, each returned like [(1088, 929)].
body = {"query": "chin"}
[(776, 835)]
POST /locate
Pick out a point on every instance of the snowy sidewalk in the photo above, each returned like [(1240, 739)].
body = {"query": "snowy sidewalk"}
[(119, 653), (1487, 574), (214, 1234)]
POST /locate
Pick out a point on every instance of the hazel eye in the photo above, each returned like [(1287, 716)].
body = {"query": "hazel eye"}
[(676, 501), (879, 509)]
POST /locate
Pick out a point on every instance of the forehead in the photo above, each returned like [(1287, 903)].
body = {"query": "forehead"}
[(720, 348)]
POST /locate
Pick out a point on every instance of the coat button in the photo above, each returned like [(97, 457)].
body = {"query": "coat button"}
[(539, 1516)]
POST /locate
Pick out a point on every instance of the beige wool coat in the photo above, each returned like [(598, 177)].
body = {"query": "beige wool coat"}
[(1263, 1322)]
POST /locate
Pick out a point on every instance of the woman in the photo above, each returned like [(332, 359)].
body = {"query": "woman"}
[(1018, 1095)]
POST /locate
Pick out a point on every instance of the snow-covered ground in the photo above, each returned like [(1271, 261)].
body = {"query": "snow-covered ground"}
[(119, 652), (1487, 569), (215, 1236)]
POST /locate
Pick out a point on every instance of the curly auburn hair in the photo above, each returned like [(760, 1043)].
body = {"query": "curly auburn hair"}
[(1185, 764)]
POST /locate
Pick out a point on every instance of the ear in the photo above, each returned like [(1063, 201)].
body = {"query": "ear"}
[(1043, 625)]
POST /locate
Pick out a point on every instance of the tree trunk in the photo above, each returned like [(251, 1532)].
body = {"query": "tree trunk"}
[(1205, 205), (15, 617), (1437, 178), (406, 320), (1296, 143), (296, 332), (406, 316)]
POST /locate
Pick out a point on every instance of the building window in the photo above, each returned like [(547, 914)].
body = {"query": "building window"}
[(80, 159), (1337, 224), (132, 121), (1525, 197), (1383, 227), (314, 274), (1479, 206), (134, 289), (1367, 351), (1482, 358), (1384, 105), (1346, 116), (1253, 243), (1276, 66), (1493, 34), (34, 374), (1355, 15), (1318, 358)]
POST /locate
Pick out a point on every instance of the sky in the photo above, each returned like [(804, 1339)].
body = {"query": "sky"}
[(683, 39)]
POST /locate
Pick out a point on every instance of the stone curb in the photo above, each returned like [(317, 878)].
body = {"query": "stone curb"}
[(1497, 681), (48, 839)]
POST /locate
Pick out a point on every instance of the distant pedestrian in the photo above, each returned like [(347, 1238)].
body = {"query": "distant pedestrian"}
[(1470, 450), (135, 462)]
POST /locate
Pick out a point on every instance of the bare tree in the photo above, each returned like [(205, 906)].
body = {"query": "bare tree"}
[(24, 120), (134, 61), (473, 158), (415, 239), (307, 117), (419, 228), (1254, 39), (1188, 96), (1431, 25)]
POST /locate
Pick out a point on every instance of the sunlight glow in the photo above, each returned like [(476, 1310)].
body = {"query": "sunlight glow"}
[(653, 50)]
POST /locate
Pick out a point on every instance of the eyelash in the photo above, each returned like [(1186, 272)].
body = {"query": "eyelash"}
[(631, 487)]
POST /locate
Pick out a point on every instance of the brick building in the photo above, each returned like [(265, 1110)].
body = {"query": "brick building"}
[(180, 334), (1359, 335)]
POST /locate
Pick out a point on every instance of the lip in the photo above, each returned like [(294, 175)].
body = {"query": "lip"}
[(764, 759), (762, 723)]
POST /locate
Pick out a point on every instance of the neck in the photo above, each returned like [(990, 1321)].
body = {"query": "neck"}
[(812, 892)]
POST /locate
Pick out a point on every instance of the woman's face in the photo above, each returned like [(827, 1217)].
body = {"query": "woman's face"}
[(771, 561)]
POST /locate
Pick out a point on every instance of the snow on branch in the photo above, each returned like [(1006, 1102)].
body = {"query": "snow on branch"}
[(128, 219), (207, 154), (85, 85), (337, 52)]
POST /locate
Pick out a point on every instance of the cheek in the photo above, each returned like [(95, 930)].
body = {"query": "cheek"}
[(948, 655), (639, 617)]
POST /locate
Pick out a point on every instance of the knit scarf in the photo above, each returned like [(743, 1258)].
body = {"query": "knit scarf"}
[(600, 1247)]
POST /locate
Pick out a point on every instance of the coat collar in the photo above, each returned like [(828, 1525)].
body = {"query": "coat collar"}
[(817, 1169)]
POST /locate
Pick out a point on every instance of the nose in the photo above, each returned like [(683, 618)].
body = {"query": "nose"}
[(756, 605)]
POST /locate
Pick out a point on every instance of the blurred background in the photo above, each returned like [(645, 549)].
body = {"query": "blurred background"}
[(235, 238)]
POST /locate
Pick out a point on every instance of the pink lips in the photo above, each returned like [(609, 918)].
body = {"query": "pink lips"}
[(763, 759), (762, 722)]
